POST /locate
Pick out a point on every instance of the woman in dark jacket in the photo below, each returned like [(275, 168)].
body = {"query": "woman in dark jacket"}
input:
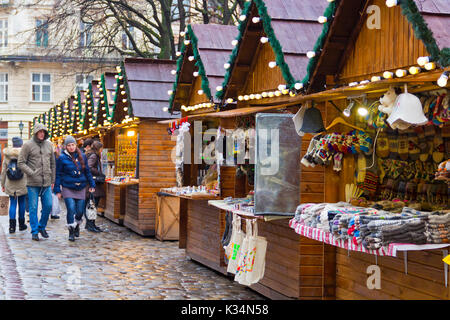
[(95, 166), (72, 178)]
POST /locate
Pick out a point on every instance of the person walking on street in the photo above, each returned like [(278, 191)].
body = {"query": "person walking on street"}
[(55, 201), (87, 144), (14, 184), (37, 161), (95, 165), (72, 178)]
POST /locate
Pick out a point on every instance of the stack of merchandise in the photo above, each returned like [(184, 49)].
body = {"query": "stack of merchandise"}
[(374, 228), (438, 228)]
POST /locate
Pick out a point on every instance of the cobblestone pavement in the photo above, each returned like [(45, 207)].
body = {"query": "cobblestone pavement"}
[(115, 264)]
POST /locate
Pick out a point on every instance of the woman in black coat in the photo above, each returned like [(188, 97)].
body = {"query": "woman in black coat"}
[(95, 166)]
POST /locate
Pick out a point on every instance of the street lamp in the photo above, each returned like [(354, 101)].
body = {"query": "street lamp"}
[(21, 128)]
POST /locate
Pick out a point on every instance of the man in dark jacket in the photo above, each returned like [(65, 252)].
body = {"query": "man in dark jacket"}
[(37, 161)]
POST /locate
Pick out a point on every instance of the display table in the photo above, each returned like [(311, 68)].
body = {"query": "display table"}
[(296, 267), (116, 200)]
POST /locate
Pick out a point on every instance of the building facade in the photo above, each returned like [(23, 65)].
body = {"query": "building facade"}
[(34, 76)]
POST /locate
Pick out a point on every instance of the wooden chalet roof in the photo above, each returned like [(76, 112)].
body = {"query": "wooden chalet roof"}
[(429, 19), (292, 28), (148, 81), (436, 14), (211, 45)]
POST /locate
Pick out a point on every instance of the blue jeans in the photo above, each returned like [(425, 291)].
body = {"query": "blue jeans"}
[(13, 207), (75, 209), (46, 199)]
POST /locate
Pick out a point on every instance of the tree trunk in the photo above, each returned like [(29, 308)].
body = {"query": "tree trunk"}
[(182, 14)]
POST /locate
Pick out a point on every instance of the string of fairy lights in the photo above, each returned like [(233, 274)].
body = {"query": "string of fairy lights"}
[(424, 64), (81, 114)]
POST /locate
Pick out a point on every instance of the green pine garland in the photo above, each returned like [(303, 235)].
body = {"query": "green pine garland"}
[(127, 90), (190, 35), (234, 53), (420, 27), (329, 13), (105, 101)]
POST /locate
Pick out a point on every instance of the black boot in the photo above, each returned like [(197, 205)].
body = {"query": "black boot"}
[(71, 234), (22, 225), (90, 226), (76, 230), (12, 225), (95, 227)]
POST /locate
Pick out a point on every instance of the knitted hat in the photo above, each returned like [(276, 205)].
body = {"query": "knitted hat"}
[(69, 139), (17, 142), (312, 121)]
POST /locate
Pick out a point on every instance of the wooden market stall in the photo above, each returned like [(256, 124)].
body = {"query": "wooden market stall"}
[(294, 265), (355, 61), (339, 71), (270, 57), (142, 150), (199, 74), (354, 56)]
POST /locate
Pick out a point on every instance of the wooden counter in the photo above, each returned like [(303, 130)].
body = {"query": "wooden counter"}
[(115, 201), (296, 267), (201, 230)]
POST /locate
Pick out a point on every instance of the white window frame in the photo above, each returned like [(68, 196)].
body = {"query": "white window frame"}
[(86, 34), (128, 45), (84, 84), (4, 33), (4, 78), (40, 84)]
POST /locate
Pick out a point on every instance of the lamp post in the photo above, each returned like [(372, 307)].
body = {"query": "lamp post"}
[(21, 128)]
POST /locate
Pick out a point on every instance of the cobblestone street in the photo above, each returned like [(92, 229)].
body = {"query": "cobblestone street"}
[(115, 264)]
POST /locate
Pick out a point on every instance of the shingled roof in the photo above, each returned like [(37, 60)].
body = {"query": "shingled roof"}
[(292, 29), (146, 82), (436, 14), (211, 46)]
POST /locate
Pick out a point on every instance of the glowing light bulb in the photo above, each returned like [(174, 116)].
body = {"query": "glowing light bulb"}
[(272, 64), (256, 19), (310, 54), (391, 3), (375, 78), (298, 86), (422, 61), (443, 79), (430, 66), (388, 75), (401, 73), (322, 19), (414, 70), (264, 39)]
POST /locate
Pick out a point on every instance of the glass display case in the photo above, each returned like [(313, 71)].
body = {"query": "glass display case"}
[(126, 155)]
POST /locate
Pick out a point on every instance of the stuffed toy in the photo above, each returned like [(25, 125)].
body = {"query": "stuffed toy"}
[(387, 101)]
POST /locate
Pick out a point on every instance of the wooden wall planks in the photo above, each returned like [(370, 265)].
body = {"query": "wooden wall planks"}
[(156, 171), (392, 46)]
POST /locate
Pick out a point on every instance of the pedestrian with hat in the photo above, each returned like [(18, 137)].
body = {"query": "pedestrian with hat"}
[(73, 177), (14, 184), (37, 161), (94, 162)]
